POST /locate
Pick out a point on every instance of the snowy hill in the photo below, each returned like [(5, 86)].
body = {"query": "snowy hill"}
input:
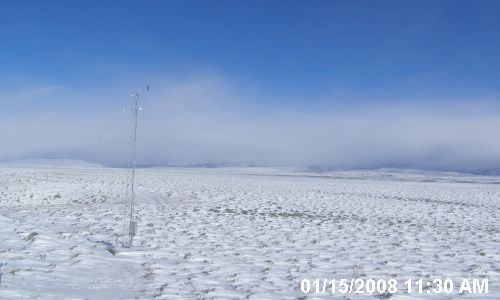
[(49, 163)]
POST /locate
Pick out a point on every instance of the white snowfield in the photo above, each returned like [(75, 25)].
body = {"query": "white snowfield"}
[(242, 234)]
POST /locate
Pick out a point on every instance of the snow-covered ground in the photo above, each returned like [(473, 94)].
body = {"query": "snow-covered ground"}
[(242, 233)]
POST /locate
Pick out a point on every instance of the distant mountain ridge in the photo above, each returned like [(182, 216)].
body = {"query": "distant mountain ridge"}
[(50, 163), (75, 163)]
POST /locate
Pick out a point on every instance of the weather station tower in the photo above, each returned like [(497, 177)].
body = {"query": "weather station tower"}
[(129, 218)]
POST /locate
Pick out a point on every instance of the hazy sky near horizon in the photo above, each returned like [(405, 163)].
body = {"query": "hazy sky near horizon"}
[(337, 83)]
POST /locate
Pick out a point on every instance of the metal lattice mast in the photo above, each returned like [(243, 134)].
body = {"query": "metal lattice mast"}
[(133, 223), (130, 194)]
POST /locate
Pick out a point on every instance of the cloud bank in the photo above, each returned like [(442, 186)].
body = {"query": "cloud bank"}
[(207, 119)]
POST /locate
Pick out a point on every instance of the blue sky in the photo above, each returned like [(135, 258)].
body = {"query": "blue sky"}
[(276, 58)]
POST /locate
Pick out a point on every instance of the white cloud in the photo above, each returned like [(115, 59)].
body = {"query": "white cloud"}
[(209, 119)]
